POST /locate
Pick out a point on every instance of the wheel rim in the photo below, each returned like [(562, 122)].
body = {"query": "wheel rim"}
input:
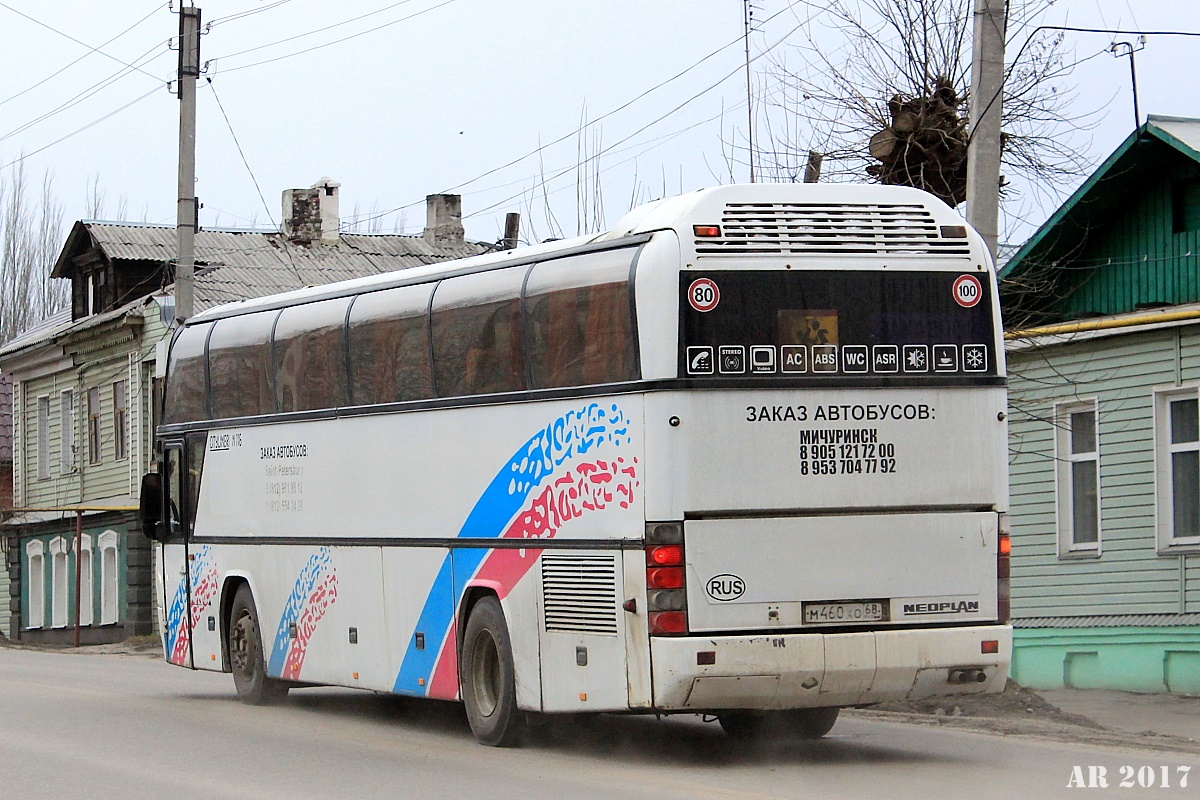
[(485, 673), (239, 645)]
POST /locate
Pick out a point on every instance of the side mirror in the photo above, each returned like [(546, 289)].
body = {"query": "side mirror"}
[(150, 506)]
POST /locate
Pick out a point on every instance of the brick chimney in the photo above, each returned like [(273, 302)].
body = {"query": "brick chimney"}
[(443, 220), (311, 215)]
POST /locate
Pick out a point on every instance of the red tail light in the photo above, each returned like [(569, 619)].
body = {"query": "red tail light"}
[(706, 230), (1003, 570), (667, 622), (666, 555), (666, 582), (664, 578)]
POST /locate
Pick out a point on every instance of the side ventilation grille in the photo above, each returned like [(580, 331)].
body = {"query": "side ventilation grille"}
[(580, 593), (795, 228)]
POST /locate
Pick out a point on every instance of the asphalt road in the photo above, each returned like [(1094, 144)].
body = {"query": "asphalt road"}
[(98, 726)]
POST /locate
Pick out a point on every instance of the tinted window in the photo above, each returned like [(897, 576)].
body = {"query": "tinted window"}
[(846, 323), (185, 393), (389, 345), (310, 356), (579, 320), (477, 344), (239, 366)]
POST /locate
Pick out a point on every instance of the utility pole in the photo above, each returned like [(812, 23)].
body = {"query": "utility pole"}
[(983, 155), (746, 19), (185, 209)]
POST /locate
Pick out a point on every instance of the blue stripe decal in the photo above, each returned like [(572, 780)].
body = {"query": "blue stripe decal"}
[(574, 433)]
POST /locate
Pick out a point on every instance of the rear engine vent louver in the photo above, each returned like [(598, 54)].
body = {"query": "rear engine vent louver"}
[(580, 593), (799, 228)]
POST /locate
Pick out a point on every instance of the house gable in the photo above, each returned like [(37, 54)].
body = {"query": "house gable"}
[(1128, 239)]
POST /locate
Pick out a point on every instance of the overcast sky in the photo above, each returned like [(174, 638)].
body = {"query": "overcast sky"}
[(478, 97)]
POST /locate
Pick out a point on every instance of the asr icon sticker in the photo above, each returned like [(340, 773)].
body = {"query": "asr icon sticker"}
[(967, 291), (703, 294)]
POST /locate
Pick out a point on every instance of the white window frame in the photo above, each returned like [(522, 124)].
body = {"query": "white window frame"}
[(87, 582), (1064, 460), (66, 433), (109, 569), (60, 582), (35, 559), (1164, 505)]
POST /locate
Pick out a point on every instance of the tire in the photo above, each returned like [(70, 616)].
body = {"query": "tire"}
[(489, 689), (799, 723), (246, 654)]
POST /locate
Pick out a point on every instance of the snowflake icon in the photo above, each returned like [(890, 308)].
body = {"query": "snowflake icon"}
[(916, 359), (975, 358)]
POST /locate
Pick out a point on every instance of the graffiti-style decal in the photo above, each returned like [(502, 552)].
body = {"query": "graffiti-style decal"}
[(202, 574), (512, 507), (314, 592)]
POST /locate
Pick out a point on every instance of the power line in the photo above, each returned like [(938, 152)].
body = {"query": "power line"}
[(540, 148), (336, 41), (80, 130), (241, 152), (91, 91), (241, 14), (82, 57), (73, 39)]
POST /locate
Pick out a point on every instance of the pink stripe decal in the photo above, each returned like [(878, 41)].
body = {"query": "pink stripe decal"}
[(322, 597), (589, 487)]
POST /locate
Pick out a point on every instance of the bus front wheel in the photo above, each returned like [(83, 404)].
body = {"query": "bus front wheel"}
[(246, 654), (488, 683), (798, 723)]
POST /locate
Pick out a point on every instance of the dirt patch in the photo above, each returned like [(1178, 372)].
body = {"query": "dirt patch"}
[(1015, 702)]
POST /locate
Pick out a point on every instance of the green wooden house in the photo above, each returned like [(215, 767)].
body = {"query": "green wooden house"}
[(1102, 309)]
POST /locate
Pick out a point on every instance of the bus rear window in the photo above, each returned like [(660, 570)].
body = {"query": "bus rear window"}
[(851, 324)]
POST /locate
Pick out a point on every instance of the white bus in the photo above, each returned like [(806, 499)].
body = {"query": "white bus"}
[(744, 455)]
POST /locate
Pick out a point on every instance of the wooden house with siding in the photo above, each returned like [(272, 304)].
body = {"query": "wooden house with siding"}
[(86, 389), (1102, 309)]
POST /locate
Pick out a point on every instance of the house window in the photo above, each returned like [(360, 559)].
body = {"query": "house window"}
[(43, 438), (107, 543), (120, 420), (94, 425), (36, 578), (1185, 205), (59, 582), (66, 414), (1177, 468), (1078, 463)]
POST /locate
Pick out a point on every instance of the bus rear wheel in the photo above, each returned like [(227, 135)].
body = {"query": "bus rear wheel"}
[(489, 689), (246, 654), (798, 723)]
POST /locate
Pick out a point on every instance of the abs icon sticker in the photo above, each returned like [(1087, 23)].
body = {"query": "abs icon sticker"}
[(703, 294), (725, 587), (967, 291)]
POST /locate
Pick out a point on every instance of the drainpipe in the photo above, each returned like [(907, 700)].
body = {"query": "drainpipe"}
[(78, 571)]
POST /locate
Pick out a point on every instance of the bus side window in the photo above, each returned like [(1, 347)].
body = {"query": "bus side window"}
[(185, 389), (579, 320), (239, 360), (174, 487), (309, 356), (477, 342), (389, 346)]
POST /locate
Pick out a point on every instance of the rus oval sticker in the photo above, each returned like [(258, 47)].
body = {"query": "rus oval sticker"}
[(725, 587)]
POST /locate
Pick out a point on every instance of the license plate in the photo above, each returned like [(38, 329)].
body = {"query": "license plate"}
[(844, 613)]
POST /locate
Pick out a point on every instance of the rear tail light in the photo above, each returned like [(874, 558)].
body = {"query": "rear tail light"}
[(1003, 570), (666, 589), (706, 230)]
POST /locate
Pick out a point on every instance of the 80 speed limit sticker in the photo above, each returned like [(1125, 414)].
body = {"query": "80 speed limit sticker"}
[(703, 294)]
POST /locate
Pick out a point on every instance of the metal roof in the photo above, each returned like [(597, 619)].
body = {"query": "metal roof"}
[(1110, 621)]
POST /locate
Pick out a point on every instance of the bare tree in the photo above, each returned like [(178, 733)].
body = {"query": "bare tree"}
[(30, 238), (882, 90)]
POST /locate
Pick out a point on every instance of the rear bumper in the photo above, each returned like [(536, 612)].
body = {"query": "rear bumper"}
[(834, 669)]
